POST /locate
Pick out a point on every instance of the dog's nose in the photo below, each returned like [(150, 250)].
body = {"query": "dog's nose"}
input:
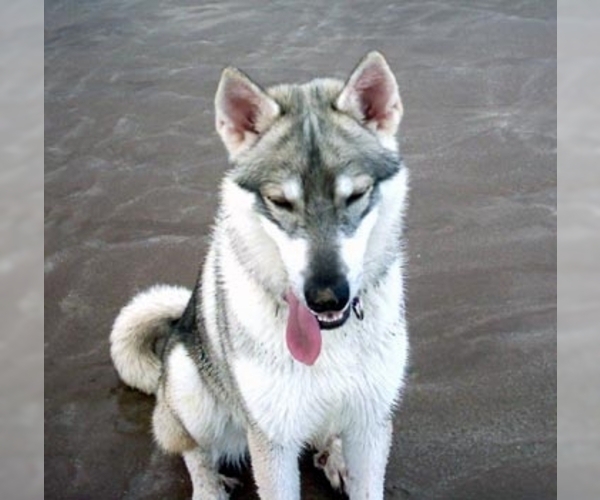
[(330, 294)]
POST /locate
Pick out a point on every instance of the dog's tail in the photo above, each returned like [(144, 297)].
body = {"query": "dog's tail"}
[(140, 324)]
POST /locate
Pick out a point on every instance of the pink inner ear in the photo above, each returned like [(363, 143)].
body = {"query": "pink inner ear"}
[(375, 92), (241, 107)]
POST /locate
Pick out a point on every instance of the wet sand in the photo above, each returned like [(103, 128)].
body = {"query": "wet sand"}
[(132, 168)]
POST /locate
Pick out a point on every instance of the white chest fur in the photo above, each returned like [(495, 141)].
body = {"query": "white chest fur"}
[(357, 377)]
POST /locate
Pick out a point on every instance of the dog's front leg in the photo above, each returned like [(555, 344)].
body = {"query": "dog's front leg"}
[(275, 468), (366, 450), (205, 480)]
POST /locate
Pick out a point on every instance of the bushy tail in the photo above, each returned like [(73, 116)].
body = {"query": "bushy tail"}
[(140, 323)]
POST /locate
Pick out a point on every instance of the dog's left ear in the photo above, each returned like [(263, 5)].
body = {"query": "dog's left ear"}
[(371, 95)]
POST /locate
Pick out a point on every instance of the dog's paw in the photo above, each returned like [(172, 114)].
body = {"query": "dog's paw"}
[(219, 494), (217, 490), (331, 461), (230, 483)]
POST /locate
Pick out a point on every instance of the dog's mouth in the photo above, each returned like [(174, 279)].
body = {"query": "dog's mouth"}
[(303, 330), (332, 319)]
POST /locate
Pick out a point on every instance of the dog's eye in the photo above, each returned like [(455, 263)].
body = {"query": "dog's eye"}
[(281, 203), (354, 197)]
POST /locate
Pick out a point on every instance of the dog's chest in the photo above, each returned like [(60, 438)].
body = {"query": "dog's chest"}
[(292, 402)]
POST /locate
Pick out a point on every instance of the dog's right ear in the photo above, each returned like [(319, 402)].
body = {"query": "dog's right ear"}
[(243, 111)]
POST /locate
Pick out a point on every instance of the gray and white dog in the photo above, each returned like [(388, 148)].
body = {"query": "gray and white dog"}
[(295, 333)]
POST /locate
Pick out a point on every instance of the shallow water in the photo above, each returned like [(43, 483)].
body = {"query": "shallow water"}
[(132, 167)]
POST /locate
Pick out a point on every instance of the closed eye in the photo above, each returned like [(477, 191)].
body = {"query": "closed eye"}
[(281, 203), (355, 196)]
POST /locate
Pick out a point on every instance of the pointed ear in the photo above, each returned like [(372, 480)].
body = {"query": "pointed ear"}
[(243, 111), (371, 95)]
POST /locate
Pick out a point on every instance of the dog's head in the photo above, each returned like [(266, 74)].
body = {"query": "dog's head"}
[(317, 161)]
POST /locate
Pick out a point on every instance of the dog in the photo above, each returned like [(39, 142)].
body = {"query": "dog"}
[(294, 335)]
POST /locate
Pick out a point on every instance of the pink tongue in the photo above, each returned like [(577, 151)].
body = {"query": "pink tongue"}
[(303, 333)]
